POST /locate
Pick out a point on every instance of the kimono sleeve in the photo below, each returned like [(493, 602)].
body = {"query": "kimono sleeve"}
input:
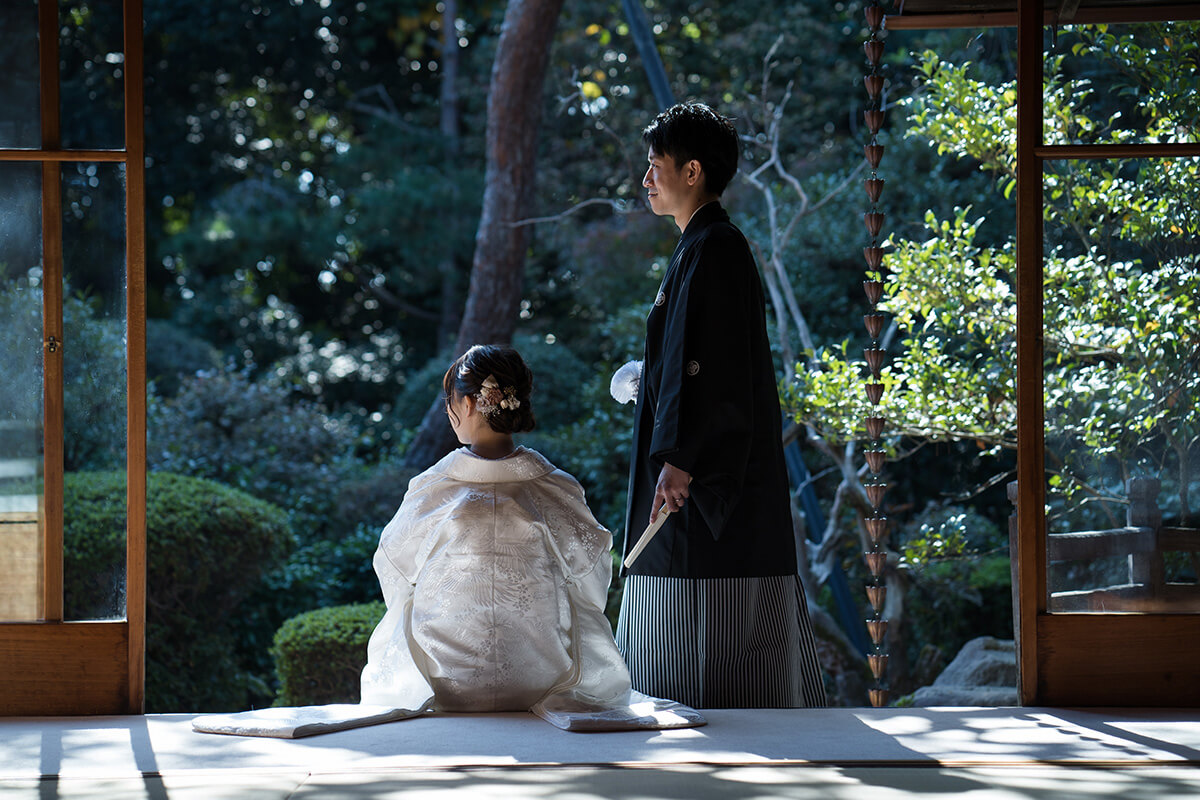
[(708, 382), (404, 542), (391, 676), (582, 545)]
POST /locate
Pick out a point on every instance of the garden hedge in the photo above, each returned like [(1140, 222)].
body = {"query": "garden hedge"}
[(319, 655), (207, 545)]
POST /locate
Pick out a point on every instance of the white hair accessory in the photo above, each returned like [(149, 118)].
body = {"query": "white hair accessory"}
[(625, 382), (492, 397)]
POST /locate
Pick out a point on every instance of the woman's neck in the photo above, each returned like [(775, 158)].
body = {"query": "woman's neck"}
[(493, 447)]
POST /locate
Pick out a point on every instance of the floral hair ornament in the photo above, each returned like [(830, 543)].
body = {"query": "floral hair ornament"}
[(492, 397)]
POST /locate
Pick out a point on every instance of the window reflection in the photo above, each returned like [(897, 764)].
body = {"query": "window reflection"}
[(94, 387), (20, 115), (1122, 339), (21, 422)]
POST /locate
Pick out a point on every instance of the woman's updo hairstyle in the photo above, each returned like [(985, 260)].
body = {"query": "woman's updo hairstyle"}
[(497, 378)]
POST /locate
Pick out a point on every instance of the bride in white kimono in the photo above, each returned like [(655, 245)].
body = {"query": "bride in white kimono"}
[(495, 575)]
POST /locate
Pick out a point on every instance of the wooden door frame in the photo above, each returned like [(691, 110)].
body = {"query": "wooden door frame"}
[(1069, 659), (53, 666), (1066, 659)]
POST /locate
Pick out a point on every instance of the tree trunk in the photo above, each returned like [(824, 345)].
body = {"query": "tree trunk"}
[(514, 116)]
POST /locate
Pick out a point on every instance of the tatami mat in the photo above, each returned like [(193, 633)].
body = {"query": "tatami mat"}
[(828, 753)]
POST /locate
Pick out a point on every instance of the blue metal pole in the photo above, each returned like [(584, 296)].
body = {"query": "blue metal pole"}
[(847, 611)]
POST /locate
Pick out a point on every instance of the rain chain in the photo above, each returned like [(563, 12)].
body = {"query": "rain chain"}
[(876, 523)]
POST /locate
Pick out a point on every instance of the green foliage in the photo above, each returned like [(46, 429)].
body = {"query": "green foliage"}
[(92, 87), (560, 380), (319, 655), (370, 496), (274, 444), (1156, 85), (307, 158), (311, 218), (93, 356), (422, 386), (955, 601), (1120, 287), (591, 293), (944, 532), (258, 438), (21, 355), (331, 569), (93, 386), (324, 572), (207, 545), (933, 544), (960, 578), (93, 360), (173, 353)]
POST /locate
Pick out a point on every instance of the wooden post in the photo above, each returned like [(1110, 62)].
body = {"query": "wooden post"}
[(135, 310), (1031, 471), (1146, 568), (52, 333)]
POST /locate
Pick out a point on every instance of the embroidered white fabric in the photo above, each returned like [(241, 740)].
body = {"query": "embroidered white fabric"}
[(495, 575), (297, 722)]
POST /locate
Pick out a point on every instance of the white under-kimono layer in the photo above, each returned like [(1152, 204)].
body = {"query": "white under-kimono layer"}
[(495, 575)]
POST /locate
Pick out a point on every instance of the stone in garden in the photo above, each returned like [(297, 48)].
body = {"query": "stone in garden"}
[(984, 673)]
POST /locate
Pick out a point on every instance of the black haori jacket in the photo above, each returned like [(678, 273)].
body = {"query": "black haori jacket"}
[(708, 404)]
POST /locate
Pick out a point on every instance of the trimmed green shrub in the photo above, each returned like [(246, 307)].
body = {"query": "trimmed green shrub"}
[(319, 655), (207, 546)]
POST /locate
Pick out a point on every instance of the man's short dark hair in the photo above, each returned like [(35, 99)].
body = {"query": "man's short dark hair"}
[(687, 131)]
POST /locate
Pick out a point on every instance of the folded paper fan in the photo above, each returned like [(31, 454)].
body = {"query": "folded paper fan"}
[(625, 381)]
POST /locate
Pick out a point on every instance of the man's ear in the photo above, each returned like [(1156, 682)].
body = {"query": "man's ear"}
[(693, 172)]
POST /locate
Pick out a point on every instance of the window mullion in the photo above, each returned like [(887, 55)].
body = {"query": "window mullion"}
[(53, 343)]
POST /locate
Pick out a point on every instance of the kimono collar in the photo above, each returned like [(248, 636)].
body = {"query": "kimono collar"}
[(704, 216), (522, 465)]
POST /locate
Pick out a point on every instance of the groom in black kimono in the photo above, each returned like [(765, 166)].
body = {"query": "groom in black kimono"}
[(713, 613)]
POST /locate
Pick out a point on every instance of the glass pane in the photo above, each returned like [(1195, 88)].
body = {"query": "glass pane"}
[(20, 115), (1122, 338), (1134, 83), (21, 500), (91, 75), (94, 390)]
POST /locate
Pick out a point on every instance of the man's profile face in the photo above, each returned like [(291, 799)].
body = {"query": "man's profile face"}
[(667, 189)]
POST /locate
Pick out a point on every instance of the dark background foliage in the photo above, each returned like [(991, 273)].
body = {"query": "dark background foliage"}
[(311, 230), (311, 226)]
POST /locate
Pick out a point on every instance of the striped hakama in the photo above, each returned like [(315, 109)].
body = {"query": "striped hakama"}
[(721, 642)]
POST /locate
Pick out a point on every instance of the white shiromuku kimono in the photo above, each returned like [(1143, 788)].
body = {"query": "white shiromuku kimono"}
[(495, 575)]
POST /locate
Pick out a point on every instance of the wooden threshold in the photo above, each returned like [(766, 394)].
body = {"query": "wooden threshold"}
[(1119, 660)]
